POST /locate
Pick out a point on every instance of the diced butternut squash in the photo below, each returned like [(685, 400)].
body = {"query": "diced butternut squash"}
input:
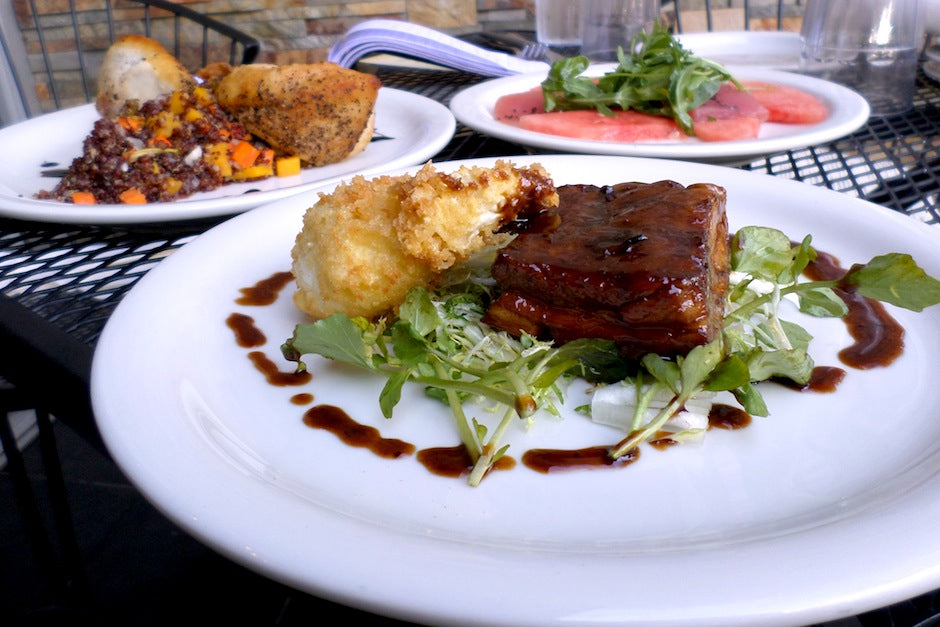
[(287, 166), (166, 123), (172, 185), (217, 154), (203, 95), (252, 172), (177, 103)]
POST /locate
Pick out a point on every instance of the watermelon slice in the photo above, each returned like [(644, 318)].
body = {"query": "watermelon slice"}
[(787, 105), (511, 107), (623, 126), (728, 129)]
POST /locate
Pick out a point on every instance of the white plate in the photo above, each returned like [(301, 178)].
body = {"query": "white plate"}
[(824, 509), (778, 50), (417, 128), (848, 111)]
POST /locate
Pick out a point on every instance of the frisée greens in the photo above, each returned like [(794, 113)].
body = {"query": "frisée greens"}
[(439, 342)]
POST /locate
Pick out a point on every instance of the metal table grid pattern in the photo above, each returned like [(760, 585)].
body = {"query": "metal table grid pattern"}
[(74, 276)]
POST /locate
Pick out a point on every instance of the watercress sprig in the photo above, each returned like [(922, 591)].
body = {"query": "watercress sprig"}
[(440, 342)]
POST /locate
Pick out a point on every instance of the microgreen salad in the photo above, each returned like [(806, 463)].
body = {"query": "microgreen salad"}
[(657, 75), (439, 342)]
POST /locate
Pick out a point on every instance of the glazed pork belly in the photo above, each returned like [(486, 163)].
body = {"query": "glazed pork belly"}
[(644, 265)]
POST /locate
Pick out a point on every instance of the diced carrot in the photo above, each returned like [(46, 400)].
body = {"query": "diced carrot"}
[(129, 123), (160, 141), (266, 157), (244, 154), (132, 196), (83, 198)]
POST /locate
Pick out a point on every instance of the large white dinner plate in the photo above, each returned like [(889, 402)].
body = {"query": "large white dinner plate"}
[(779, 50), (826, 508), (409, 129), (847, 112)]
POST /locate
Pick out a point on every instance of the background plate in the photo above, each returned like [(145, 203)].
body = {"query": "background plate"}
[(826, 508), (848, 111), (413, 128)]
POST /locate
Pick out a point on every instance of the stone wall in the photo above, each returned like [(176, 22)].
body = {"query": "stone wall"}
[(290, 31)]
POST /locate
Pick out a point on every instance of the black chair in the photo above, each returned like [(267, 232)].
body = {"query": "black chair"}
[(49, 75), (712, 15)]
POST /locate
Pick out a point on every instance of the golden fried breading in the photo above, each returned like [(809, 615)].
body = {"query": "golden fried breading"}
[(320, 112), (448, 217), (363, 246), (347, 256)]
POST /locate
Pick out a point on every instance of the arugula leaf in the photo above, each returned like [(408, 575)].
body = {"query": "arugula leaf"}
[(656, 76)]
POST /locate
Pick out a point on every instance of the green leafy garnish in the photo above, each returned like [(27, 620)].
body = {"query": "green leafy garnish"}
[(657, 75), (440, 342)]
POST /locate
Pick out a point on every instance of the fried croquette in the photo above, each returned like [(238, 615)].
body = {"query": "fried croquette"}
[(366, 244), (445, 218)]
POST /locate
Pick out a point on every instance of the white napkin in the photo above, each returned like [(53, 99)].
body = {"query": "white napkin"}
[(426, 44)]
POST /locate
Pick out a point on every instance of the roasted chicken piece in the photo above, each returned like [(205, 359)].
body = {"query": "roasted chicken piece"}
[(138, 68), (363, 246), (644, 265), (320, 112)]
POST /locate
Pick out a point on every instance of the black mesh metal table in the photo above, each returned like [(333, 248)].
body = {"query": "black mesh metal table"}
[(60, 283)]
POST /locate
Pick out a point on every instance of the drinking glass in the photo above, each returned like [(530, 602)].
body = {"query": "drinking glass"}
[(869, 45), (558, 22), (608, 24)]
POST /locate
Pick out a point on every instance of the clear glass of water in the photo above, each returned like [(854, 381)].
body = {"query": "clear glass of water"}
[(558, 22), (607, 24), (871, 46)]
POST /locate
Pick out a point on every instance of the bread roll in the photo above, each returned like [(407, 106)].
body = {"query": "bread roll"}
[(138, 68), (320, 112)]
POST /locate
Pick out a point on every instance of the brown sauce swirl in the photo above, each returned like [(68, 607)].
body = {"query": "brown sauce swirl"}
[(878, 342), (274, 375), (301, 399), (823, 379), (266, 291), (455, 461), (722, 416), (879, 339), (247, 334), (338, 422), (546, 460)]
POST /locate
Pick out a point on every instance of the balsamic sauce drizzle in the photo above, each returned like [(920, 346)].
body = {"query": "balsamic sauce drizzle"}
[(878, 341)]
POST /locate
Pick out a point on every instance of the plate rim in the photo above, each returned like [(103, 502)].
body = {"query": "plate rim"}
[(361, 594), (439, 118), (468, 108)]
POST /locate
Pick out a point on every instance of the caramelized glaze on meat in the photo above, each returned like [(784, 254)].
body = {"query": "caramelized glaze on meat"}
[(644, 265)]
